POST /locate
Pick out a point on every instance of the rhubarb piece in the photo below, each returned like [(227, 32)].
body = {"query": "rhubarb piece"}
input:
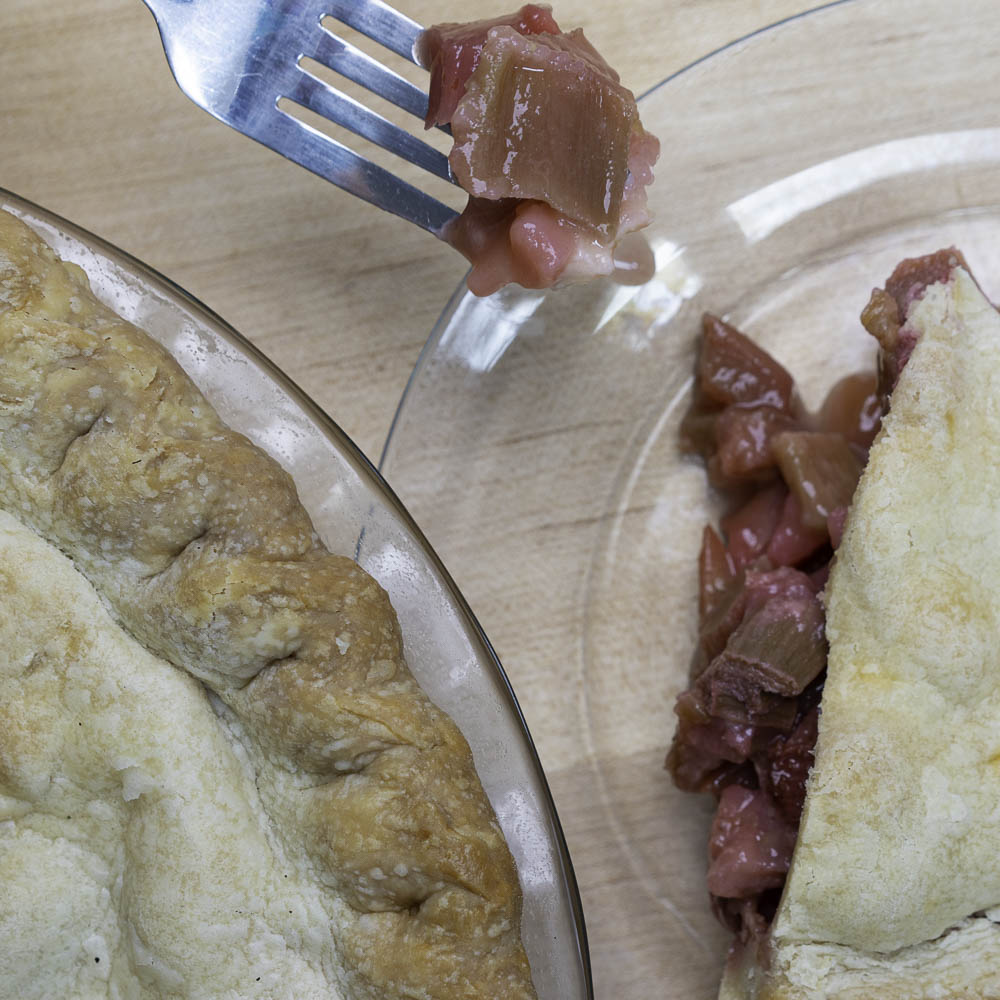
[(750, 846), (732, 742), (775, 648), (731, 368), (787, 762), (821, 469), (744, 436), (836, 523), (747, 918), (778, 648), (548, 143), (544, 118), (767, 710), (718, 625), (716, 572), (883, 316), (881, 319), (694, 768), (913, 276), (709, 752), (750, 527), (853, 409), (525, 242), (451, 52), (713, 736), (792, 540)]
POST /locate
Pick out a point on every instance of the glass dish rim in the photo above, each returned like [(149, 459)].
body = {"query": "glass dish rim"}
[(329, 428)]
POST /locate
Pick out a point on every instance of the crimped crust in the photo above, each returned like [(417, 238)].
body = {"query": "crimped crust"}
[(197, 542), (894, 883)]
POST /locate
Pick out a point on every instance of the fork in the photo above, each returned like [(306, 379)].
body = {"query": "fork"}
[(237, 59)]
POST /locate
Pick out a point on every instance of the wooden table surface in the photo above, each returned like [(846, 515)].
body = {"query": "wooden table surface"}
[(338, 294)]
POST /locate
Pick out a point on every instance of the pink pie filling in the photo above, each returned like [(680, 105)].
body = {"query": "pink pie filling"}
[(747, 722), (548, 143)]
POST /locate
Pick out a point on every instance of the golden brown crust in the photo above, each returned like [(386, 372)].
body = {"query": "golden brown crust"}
[(198, 543)]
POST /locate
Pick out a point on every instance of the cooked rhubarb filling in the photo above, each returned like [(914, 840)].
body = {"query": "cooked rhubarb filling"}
[(548, 144), (747, 723)]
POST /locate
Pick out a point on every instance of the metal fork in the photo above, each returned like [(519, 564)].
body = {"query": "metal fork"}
[(238, 58)]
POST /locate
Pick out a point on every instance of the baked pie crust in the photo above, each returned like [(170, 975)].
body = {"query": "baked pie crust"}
[(218, 778)]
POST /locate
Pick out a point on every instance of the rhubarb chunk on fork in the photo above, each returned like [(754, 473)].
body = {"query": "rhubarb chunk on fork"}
[(548, 143)]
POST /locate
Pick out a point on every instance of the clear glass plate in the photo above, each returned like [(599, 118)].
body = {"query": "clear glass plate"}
[(356, 513), (537, 440)]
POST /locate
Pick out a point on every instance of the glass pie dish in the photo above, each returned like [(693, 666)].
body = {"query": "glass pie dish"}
[(536, 442), (356, 513)]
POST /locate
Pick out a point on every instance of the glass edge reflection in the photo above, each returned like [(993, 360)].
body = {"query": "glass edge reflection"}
[(425, 352)]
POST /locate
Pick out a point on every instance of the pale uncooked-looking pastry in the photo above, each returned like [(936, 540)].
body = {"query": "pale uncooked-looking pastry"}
[(218, 778), (895, 880)]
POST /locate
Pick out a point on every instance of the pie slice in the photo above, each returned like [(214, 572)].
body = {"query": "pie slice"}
[(894, 884), (218, 778)]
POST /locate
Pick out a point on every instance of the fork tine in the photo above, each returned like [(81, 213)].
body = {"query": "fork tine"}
[(351, 62), (325, 100), (380, 22), (245, 84), (310, 148)]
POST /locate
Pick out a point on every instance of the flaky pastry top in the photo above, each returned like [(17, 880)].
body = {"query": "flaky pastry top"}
[(197, 542)]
